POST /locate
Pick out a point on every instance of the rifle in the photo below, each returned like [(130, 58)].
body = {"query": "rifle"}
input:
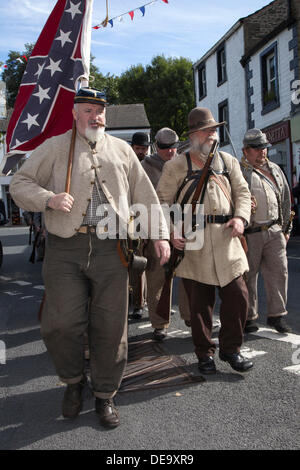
[(176, 257)]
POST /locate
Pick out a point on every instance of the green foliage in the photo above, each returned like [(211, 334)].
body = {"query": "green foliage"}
[(165, 87), (13, 74)]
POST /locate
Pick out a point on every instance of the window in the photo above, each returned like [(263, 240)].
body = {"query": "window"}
[(223, 116), (221, 65), (269, 79), (202, 81)]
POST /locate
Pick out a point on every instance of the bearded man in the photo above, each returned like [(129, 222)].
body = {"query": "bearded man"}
[(81, 266), (221, 262)]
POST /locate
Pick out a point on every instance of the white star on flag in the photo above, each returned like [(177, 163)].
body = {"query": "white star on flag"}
[(54, 67), (63, 38), (31, 120), (74, 9), (40, 69), (42, 94)]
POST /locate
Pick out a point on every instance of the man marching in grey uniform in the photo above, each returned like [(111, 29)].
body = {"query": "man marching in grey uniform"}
[(80, 265), (268, 232)]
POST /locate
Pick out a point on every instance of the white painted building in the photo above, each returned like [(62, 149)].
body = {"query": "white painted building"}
[(246, 79), (224, 96)]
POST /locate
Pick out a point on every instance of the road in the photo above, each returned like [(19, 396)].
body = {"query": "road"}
[(257, 410)]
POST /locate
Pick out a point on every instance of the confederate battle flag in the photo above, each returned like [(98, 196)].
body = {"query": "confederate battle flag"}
[(59, 59)]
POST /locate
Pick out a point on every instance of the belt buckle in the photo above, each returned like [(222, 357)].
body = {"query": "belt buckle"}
[(264, 227)]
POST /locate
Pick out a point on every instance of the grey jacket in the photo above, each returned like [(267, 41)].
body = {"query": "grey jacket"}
[(282, 186), (113, 161)]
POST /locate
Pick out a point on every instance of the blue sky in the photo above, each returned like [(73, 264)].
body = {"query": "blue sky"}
[(181, 28)]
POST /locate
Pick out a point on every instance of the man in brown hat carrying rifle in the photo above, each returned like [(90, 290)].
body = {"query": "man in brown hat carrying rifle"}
[(81, 264), (221, 262)]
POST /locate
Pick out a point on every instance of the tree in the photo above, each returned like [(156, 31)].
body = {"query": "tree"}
[(165, 87), (107, 83), (13, 74)]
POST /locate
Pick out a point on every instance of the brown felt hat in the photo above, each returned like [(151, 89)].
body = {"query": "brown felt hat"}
[(201, 118)]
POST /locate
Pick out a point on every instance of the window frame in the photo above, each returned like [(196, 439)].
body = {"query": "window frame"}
[(221, 65), (224, 139), (269, 104)]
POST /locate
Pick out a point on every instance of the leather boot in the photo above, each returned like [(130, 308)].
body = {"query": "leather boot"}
[(72, 401), (108, 413)]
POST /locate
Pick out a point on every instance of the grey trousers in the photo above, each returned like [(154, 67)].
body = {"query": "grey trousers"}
[(267, 254), (78, 271)]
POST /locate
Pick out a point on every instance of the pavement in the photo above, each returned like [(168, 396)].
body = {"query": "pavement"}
[(227, 411)]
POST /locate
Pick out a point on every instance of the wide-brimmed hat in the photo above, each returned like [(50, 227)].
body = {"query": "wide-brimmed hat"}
[(166, 138), (141, 138), (201, 118), (90, 95), (256, 139)]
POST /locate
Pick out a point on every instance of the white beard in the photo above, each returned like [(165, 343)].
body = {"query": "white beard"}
[(202, 149), (94, 135)]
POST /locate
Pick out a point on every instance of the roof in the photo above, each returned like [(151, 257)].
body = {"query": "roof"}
[(126, 116)]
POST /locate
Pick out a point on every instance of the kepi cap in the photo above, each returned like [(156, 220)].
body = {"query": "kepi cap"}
[(90, 95), (255, 138), (166, 138)]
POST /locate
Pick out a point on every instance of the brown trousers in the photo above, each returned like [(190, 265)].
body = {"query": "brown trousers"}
[(233, 315), (77, 271)]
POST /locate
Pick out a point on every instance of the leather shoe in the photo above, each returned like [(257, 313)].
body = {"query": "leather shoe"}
[(279, 324), (137, 313), (237, 361), (207, 365), (108, 413), (159, 334), (72, 401), (251, 326)]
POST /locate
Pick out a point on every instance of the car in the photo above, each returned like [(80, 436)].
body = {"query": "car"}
[(1, 254)]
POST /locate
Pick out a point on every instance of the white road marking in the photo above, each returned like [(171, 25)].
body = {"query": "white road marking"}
[(144, 325), (39, 287), (3, 278), (249, 354), (294, 369), (21, 283), (271, 334), (11, 293), (14, 250)]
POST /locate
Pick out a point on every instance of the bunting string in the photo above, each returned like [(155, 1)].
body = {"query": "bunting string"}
[(110, 21)]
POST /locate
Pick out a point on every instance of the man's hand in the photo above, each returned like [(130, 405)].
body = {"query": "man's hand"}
[(162, 250), (237, 226), (61, 202), (177, 241)]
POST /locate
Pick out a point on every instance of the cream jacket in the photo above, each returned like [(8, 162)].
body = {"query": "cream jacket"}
[(119, 173), (222, 258)]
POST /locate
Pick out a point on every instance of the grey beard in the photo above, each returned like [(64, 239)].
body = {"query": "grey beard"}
[(94, 135)]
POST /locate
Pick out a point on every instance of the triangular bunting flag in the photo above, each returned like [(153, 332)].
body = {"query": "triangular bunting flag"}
[(131, 13), (142, 10), (111, 23)]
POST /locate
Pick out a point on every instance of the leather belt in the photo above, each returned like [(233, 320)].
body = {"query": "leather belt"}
[(212, 219), (260, 228), (87, 229), (216, 219)]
